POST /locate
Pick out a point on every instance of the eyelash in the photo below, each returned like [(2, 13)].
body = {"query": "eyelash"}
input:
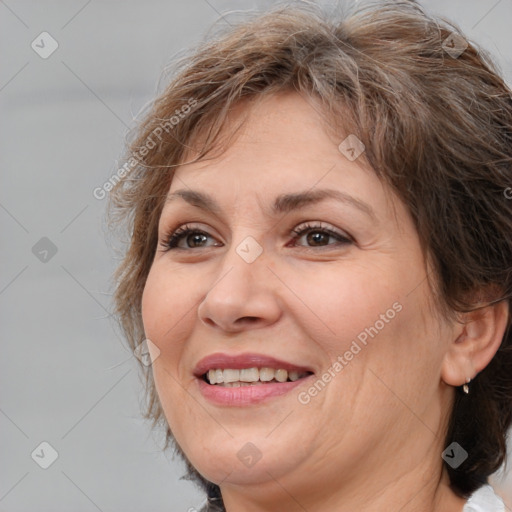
[(171, 239)]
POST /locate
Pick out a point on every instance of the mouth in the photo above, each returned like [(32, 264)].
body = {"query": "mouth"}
[(236, 378), (245, 379)]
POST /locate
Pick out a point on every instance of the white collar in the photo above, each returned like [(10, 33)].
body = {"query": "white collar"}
[(484, 500)]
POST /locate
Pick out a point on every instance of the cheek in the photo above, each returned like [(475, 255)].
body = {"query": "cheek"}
[(369, 316), (402, 359), (336, 304), (164, 312), (166, 323), (152, 306)]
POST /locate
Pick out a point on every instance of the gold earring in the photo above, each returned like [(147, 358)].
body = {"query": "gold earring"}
[(465, 388)]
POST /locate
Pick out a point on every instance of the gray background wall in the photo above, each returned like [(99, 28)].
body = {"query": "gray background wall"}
[(65, 376)]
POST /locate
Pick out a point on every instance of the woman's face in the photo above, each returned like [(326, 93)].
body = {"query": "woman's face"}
[(298, 259)]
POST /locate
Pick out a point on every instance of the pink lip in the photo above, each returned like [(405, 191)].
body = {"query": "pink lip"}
[(247, 395), (241, 361)]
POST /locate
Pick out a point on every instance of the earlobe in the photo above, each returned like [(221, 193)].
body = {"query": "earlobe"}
[(477, 340)]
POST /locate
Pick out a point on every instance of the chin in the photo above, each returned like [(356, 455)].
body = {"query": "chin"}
[(242, 459)]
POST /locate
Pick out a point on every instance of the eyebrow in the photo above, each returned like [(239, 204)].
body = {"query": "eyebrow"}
[(283, 203)]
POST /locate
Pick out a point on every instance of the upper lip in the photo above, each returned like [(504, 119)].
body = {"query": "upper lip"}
[(241, 361)]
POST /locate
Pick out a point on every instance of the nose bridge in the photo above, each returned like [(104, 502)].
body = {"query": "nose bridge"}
[(243, 288), (243, 270)]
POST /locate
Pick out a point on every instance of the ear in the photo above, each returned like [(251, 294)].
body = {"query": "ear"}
[(476, 341)]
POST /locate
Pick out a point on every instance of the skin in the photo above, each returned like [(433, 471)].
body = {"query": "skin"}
[(372, 438)]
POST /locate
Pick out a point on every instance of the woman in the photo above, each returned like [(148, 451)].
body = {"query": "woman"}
[(320, 264)]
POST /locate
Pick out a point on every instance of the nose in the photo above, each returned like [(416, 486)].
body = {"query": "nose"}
[(243, 296)]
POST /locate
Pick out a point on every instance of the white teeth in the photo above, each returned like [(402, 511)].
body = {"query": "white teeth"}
[(281, 375), (267, 374), (249, 375), (231, 375), (293, 376)]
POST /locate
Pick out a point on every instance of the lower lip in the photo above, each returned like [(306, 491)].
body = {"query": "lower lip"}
[(247, 395)]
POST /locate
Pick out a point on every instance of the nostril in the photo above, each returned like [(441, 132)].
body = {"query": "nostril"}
[(247, 320), (233, 325)]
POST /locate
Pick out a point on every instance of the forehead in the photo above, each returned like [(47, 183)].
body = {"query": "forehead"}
[(282, 137), (284, 150), (283, 147)]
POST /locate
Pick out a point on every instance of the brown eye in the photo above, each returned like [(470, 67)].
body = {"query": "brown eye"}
[(195, 239), (186, 238), (319, 236)]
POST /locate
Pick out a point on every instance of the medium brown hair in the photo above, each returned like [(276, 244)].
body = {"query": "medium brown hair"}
[(437, 129)]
